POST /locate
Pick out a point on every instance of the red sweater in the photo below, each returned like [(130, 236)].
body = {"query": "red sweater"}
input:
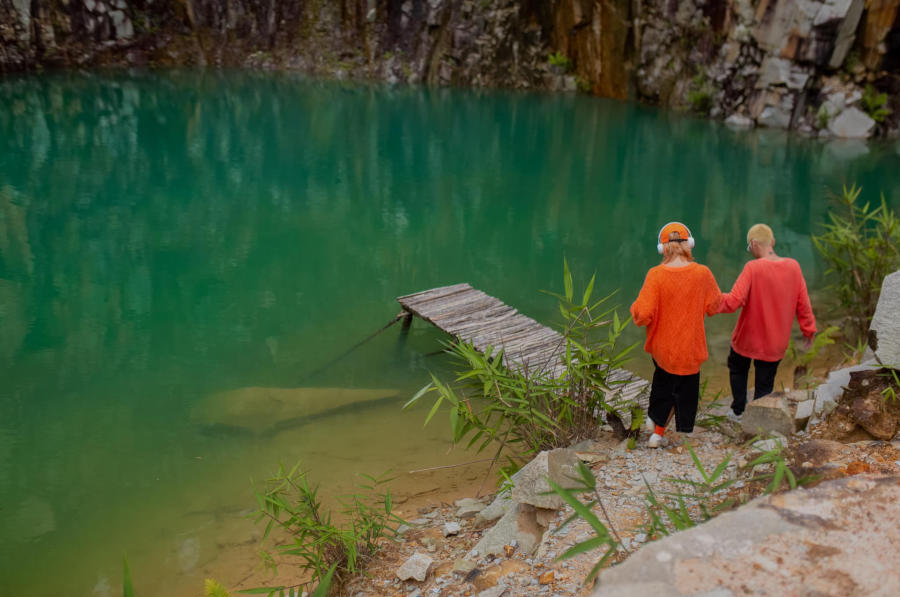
[(672, 304), (771, 293)]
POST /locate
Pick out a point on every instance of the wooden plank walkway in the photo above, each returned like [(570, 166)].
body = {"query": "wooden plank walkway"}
[(473, 316)]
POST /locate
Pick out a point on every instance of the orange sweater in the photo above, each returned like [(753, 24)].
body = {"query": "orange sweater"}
[(672, 304)]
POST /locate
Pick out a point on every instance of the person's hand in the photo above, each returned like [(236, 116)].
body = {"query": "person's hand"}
[(808, 342)]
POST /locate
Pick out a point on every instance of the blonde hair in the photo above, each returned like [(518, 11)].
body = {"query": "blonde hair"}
[(761, 235), (672, 250)]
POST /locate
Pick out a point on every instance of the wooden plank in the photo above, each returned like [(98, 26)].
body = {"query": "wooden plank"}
[(429, 305), (494, 313), (431, 292), (461, 311), (453, 305), (475, 317)]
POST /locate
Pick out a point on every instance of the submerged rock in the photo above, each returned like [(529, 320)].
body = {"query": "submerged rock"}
[(260, 410)]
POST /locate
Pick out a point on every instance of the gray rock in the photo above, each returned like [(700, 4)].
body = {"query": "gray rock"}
[(451, 528), (463, 566), (416, 567), (781, 71), (767, 445), (468, 507), (739, 121), (884, 331), (852, 123), (495, 591), (122, 24), (804, 412), (768, 414), (530, 483), (849, 11), (519, 524), (500, 506)]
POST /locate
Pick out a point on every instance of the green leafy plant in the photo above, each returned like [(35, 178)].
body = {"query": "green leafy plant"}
[(604, 536), (560, 62), (706, 414), (583, 85), (802, 360), (780, 475), (212, 588), (329, 551), (127, 588), (666, 518), (822, 117), (890, 392), (526, 409), (711, 494), (700, 95), (706, 490), (861, 245), (874, 104)]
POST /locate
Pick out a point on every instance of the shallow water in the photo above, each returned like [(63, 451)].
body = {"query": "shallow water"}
[(167, 239)]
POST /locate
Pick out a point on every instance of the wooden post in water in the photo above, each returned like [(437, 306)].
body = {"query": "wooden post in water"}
[(407, 321)]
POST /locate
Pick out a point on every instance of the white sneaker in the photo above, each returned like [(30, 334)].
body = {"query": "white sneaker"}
[(649, 425), (655, 441), (734, 418)]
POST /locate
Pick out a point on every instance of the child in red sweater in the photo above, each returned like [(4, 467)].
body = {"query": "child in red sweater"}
[(672, 303), (771, 290)]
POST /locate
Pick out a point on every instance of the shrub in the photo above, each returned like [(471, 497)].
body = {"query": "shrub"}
[(860, 245), (700, 95), (328, 550), (560, 62), (874, 104), (822, 117), (534, 410)]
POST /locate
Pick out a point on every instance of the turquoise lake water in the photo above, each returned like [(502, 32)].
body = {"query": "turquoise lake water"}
[(182, 252)]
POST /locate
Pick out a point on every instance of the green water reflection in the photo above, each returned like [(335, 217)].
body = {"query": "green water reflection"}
[(168, 237)]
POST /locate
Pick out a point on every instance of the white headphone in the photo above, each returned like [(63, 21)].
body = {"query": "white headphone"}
[(690, 238)]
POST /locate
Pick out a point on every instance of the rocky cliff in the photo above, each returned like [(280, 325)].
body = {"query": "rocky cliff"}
[(818, 66)]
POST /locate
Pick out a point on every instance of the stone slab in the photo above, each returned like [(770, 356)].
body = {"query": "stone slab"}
[(769, 414), (829, 540), (885, 328)]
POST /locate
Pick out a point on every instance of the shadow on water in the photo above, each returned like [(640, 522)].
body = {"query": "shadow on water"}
[(170, 236)]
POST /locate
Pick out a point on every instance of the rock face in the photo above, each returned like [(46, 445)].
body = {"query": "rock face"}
[(770, 62), (768, 414), (830, 540), (884, 334)]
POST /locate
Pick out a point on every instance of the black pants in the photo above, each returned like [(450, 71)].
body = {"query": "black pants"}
[(739, 370), (681, 392)]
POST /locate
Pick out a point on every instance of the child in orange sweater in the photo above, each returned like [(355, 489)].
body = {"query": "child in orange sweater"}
[(672, 303)]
